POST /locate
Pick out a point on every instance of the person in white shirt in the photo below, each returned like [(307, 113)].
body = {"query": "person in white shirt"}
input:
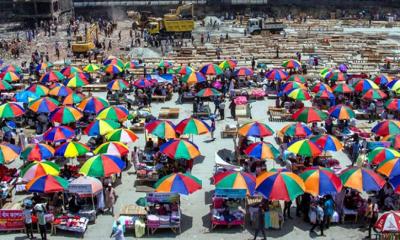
[(28, 222)]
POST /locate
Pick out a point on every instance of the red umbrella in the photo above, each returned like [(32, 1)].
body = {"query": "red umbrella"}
[(388, 222)]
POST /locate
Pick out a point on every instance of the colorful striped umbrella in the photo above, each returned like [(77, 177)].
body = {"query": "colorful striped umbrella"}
[(165, 64), (11, 68), (184, 70), (279, 185), (364, 85), (8, 152), (327, 142), (76, 81), (116, 112), (299, 94), (101, 127), (382, 79), (211, 69), (122, 135), (11, 77), (103, 165), (388, 223), (112, 148), (335, 76), (161, 128), (194, 78), (394, 140), (43, 105), (297, 130), (374, 94), (297, 78), (93, 104), (60, 91), (118, 85), (361, 179), (321, 181), (309, 115), (65, 115), (38, 89), (70, 70), (208, 92), (255, 129), (47, 184), (192, 126), (394, 85), (235, 180), (277, 74), (243, 72), (393, 104), (324, 94), (320, 87), (262, 150), (43, 66), (72, 99), (91, 68), (387, 127), (343, 68), (133, 65), (11, 110), (25, 96), (114, 61), (226, 64), (390, 167), (305, 148), (112, 69), (341, 112), (37, 152), (143, 83), (5, 86), (291, 64), (72, 149), (182, 183), (52, 76), (38, 169), (180, 149), (395, 183), (380, 154), (288, 86), (343, 88), (58, 134)]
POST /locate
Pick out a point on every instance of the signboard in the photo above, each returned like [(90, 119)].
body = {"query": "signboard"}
[(80, 188), (157, 197), (230, 193), (11, 220)]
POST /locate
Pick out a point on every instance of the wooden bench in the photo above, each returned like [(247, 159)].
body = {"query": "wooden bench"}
[(168, 113), (278, 114), (95, 88), (137, 127)]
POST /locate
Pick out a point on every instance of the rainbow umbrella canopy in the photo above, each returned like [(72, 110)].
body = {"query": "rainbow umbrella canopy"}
[(374, 94), (343, 88), (58, 134), (279, 185), (324, 94), (38, 89), (114, 61), (390, 167), (395, 183), (228, 64), (243, 72), (118, 85), (116, 112), (192, 126), (320, 87), (299, 94), (60, 91), (297, 78), (11, 77), (70, 70), (182, 183), (5, 86), (291, 64), (235, 180), (305, 148), (36, 169), (72, 149), (193, 78), (277, 75), (321, 181), (161, 128), (112, 69), (103, 165), (52, 76), (133, 64), (394, 140), (8, 152), (208, 92), (309, 115), (72, 99), (93, 104), (382, 79), (262, 150), (11, 110), (112, 148), (393, 85), (341, 112), (255, 129), (380, 154), (364, 85), (65, 115), (25, 96), (361, 179), (143, 83), (77, 80), (180, 149), (297, 130), (211, 69), (101, 127), (327, 142), (11, 68), (335, 76), (183, 70), (91, 68), (122, 135), (387, 127), (164, 64), (43, 105), (393, 104), (288, 86), (37, 152), (43, 66), (47, 184)]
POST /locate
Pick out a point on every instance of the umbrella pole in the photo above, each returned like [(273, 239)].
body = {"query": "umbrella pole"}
[(93, 202)]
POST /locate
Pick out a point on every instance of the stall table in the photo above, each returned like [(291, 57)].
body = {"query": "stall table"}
[(66, 224)]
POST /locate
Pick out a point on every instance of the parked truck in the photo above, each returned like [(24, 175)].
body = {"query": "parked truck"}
[(256, 26)]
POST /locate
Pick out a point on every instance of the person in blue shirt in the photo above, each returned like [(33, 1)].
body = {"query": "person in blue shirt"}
[(329, 209)]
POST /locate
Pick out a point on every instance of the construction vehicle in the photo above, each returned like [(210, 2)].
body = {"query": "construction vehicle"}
[(83, 45), (256, 26)]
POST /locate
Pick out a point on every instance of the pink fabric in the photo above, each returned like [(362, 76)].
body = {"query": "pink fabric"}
[(241, 100)]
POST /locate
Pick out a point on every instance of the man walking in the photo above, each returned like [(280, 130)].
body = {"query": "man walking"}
[(319, 218), (221, 108), (259, 222)]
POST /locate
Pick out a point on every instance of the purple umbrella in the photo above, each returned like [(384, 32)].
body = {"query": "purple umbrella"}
[(343, 68)]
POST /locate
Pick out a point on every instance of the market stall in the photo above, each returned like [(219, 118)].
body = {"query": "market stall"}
[(132, 217), (11, 218), (71, 223), (163, 212), (227, 208)]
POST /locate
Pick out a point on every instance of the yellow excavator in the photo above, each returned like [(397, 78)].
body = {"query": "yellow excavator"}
[(83, 45)]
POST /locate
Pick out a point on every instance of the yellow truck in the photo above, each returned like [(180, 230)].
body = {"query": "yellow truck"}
[(84, 45)]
